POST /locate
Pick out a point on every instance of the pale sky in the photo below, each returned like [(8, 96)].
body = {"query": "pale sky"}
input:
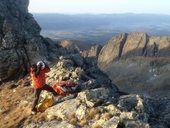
[(100, 6)]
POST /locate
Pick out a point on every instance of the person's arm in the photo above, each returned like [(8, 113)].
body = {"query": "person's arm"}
[(47, 69), (38, 70)]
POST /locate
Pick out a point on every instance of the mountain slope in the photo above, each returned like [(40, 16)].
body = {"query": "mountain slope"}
[(128, 60)]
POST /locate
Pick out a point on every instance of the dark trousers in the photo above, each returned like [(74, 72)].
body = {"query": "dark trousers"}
[(37, 93)]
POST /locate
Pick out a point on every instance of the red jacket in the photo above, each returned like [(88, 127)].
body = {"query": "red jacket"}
[(57, 87), (39, 81)]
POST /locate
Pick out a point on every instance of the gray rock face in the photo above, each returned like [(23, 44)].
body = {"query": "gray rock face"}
[(93, 52), (124, 46), (128, 60), (163, 43), (112, 50), (94, 96), (135, 45), (20, 40)]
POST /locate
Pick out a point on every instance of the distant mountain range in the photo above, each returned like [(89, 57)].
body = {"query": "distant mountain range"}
[(99, 28)]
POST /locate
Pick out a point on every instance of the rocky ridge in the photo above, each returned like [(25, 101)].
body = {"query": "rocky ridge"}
[(128, 61), (83, 71), (124, 46), (99, 103)]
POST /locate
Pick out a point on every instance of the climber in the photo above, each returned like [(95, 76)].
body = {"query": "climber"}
[(37, 73), (155, 50)]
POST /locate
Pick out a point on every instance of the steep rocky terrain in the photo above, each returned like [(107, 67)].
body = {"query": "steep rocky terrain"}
[(20, 40), (124, 46), (100, 104), (128, 60)]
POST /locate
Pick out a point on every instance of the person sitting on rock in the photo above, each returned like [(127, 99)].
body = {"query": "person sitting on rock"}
[(37, 73)]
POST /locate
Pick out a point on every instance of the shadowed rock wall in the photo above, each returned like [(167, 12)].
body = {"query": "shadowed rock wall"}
[(20, 40)]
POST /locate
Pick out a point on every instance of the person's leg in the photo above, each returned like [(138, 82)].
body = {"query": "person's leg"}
[(37, 93), (76, 89), (50, 89)]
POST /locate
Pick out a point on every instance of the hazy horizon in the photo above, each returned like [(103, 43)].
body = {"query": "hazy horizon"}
[(100, 7), (100, 13), (100, 28)]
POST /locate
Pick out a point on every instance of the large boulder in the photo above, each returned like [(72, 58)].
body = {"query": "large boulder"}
[(123, 46), (62, 110), (95, 96), (135, 44), (112, 50), (20, 40)]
